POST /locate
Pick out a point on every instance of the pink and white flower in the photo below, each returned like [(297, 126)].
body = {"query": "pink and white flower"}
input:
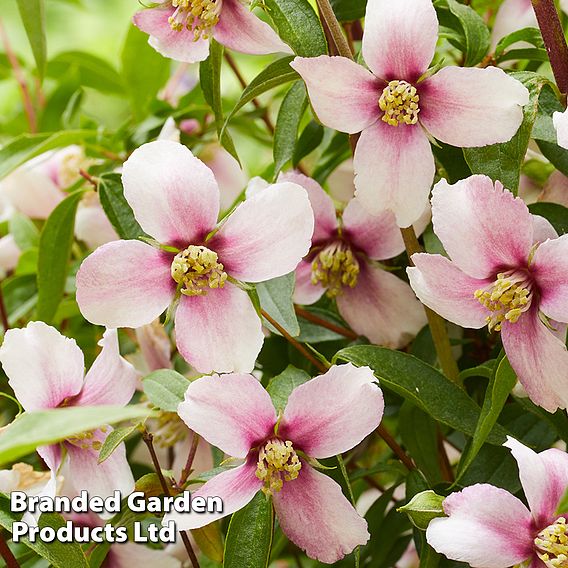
[(508, 270), (560, 120), (342, 263), (182, 29), (324, 417), (175, 198), (47, 370), (91, 223), (513, 15), (398, 102), (488, 527)]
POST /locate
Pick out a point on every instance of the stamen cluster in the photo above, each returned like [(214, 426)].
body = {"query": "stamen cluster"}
[(552, 544), (335, 266), (86, 440), (277, 462), (197, 268), (399, 102), (198, 16)]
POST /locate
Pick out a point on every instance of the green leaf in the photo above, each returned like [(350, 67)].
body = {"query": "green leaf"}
[(117, 209), (113, 440), (165, 389), (144, 71), (210, 541), (58, 554), (281, 386), (33, 17), (54, 252), (422, 385), (276, 299), (28, 146), (500, 386), (298, 25), (555, 213), (289, 118), (423, 507), (277, 73), (349, 10), (503, 161), (25, 233), (210, 80), (249, 538), (33, 429), (528, 35), (309, 140)]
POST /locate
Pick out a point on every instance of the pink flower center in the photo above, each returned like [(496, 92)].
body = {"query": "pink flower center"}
[(197, 268), (399, 102), (198, 16), (507, 298), (277, 462), (551, 544), (335, 267)]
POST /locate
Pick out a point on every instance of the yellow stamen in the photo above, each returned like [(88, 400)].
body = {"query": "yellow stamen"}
[(335, 267), (277, 462), (86, 441), (399, 102), (507, 299), (198, 16), (170, 430), (197, 268), (552, 544)]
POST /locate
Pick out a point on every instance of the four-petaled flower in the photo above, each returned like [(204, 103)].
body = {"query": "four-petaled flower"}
[(175, 199), (508, 269), (374, 302), (182, 29), (324, 417), (488, 527), (395, 104), (46, 370)]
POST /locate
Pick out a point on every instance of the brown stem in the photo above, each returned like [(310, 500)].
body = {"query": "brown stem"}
[(324, 323), (393, 445), (437, 324), (89, 178), (336, 32), (3, 312), (315, 362), (188, 464), (554, 40), (7, 554), (148, 440), (348, 27), (445, 466), (21, 80)]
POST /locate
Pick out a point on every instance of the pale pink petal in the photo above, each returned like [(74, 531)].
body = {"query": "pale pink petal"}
[(550, 269), (125, 284), (341, 182), (267, 235), (539, 358), (220, 331), (484, 228), (394, 169), (472, 107), (325, 216), (233, 412), (173, 194), (305, 292), (98, 478), (9, 254), (333, 412), (513, 15), (235, 487), (315, 515), (486, 527), (555, 189), (177, 45), (378, 236), (43, 366), (111, 379), (344, 95), (400, 38), (239, 29), (544, 477), (91, 224), (155, 346), (560, 120), (542, 229), (382, 307), (51, 455), (128, 554), (444, 288)]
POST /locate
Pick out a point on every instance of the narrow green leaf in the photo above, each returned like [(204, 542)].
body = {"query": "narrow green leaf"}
[(249, 538), (349, 10), (528, 35), (58, 554), (33, 17), (298, 25), (165, 389), (113, 440), (54, 252), (25, 233), (117, 209), (422, 385), (289, 118), (310, 139), (276, 299), (33, 429), (281, 386)]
